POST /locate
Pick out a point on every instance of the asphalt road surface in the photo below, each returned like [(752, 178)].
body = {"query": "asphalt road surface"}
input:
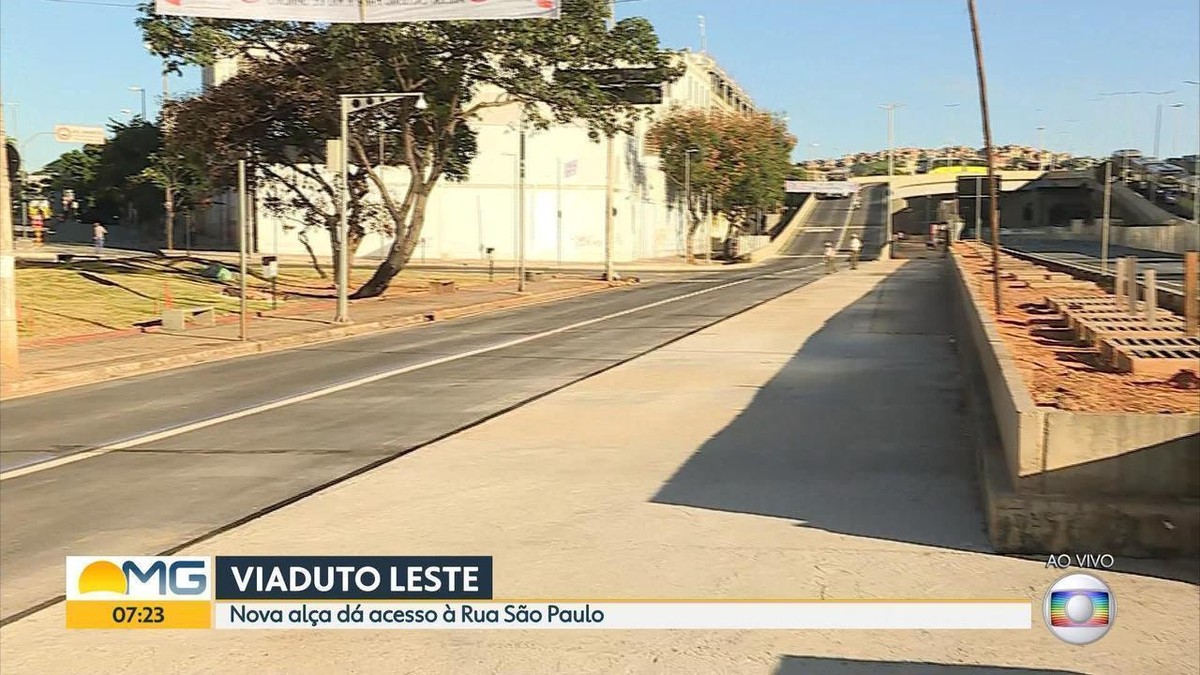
[(1168, 267), (833, 220), (148, 464)]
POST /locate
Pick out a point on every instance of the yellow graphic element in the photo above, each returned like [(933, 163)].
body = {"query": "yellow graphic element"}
[(102, 576), (167, 614)]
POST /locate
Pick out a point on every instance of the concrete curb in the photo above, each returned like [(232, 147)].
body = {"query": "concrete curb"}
[(1058, 480), (56, 382)]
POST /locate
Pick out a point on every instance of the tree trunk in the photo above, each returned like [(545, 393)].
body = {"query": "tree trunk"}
[(693, 226), (401, 251), (169, 213)]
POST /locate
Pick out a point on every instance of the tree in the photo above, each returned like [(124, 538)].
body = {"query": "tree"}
[(461, 68), (738, 161)]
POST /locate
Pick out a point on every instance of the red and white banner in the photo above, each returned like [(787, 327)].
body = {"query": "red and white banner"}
[(361, 11)]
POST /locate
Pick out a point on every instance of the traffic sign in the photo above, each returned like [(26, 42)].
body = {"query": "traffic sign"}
[(67, 133), (570, 168)]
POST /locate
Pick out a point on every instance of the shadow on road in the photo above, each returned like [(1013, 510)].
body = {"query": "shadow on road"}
[(860, 433), (816, 665), (864, 431)]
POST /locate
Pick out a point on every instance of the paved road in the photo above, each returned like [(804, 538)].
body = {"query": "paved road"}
[(1168, 266), (832, 220), (174, 487)]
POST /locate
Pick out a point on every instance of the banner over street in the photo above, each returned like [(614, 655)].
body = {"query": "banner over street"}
[(361, 11)]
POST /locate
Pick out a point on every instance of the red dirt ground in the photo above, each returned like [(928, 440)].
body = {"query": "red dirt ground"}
[(1059, 372)]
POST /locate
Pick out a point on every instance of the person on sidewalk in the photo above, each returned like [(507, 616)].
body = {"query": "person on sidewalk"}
[(830, 258), (98, 232), (855, 249)]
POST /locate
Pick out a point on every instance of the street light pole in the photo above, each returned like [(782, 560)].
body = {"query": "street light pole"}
[(887, 249), (354, 103), (1041, 145), (242, 211), (521, 203), (142, 92), (342, 313)]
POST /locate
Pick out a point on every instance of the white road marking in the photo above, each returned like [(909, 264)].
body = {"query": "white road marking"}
[(300, 398)]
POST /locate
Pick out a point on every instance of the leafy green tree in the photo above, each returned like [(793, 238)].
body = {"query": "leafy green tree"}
[(462, 68), (738, 161)]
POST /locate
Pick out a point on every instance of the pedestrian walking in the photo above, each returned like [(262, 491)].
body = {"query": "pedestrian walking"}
[(855, 249), (98, 232), (830, 258)]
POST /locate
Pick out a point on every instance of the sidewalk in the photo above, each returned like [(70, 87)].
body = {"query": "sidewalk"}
[(810, 448), (53, 364)]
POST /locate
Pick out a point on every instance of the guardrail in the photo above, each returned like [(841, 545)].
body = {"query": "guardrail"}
[(1168, 298)]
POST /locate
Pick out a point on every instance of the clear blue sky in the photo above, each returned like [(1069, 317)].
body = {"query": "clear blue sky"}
[(827, 63)]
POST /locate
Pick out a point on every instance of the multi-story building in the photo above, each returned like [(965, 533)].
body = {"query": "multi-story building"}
[(565, 187)]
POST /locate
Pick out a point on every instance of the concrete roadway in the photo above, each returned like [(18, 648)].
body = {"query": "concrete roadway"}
[(174, 487)]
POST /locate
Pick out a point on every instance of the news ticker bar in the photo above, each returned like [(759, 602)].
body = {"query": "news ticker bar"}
[(556, 615)]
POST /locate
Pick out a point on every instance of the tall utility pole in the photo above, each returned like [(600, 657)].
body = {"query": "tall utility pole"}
[(993, 207), (9, 363), (521, 202), (610, 171), (887, 208)]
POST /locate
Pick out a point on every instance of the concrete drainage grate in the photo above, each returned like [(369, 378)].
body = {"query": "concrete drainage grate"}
[(1164, 345), (1163, 362)]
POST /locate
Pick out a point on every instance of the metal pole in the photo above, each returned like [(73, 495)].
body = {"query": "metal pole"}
[(558, 212), (1041, 148), (168, 189), (1104, 223), (887, 207), (1157, 129), (687, 200), (521, 206), (242, 247), (993, 207), (9, 361), (343, 257), (978, 200), (609, 178)]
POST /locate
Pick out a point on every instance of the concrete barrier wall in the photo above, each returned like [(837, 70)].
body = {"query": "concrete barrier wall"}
[(1018, 420), (1050, 451), (785, 236)]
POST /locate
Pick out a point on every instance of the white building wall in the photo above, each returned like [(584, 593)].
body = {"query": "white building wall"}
[(464, 219)]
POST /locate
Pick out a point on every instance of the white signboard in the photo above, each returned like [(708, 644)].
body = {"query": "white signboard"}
[(361, 11), (569, 168), (821, 187), (86, 135)]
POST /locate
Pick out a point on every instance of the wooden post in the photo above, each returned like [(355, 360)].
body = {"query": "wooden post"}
[(1119, 283), (993, 206), (1131, 277), (1191, 292), (1151, 297)]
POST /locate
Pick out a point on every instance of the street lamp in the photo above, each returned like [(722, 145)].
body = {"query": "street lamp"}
[(1041, 148), (891, 109), (687, 189), (1175, 127), (952, 106), (352, 103), (142, 91), (1158, 118)]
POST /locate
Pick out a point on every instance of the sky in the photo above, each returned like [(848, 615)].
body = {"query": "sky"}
[(828, 64)]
